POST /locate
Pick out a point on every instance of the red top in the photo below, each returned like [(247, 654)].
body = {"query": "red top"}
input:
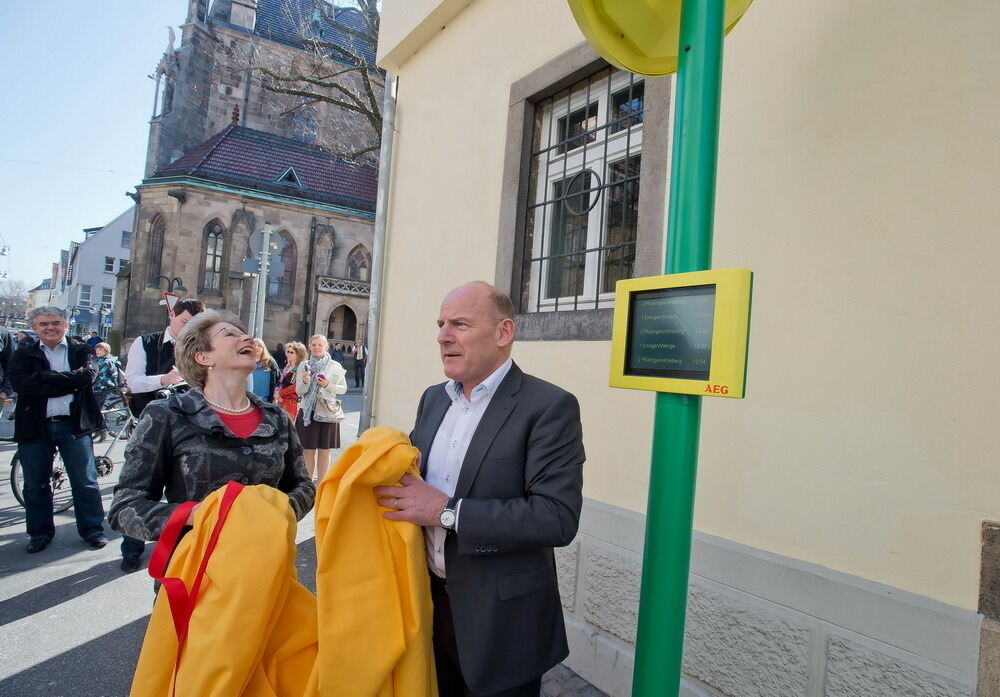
[(242, 424)]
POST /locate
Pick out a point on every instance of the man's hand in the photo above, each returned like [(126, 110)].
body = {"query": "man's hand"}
[(171, 378), (415, 501), (190, 518)]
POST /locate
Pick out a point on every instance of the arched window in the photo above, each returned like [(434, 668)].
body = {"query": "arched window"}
[(281, 287), (214, 245), (157, 231), (359, 264)]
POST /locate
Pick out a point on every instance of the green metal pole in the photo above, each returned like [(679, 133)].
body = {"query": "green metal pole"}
[(670, 511)]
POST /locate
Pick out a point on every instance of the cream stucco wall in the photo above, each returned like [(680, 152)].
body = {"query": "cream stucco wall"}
[(858, 178)]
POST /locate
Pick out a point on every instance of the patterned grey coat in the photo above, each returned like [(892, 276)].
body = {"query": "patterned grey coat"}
[(181, 449)]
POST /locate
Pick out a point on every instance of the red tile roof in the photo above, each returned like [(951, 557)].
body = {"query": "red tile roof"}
[(255, 159)]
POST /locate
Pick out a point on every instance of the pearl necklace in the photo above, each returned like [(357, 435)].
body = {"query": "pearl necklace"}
[(227, 410)]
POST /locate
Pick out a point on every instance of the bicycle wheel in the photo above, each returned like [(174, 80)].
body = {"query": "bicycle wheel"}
[(62, 494), (116, 414)]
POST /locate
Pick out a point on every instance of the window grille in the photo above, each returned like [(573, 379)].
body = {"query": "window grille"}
[(109, 264), (579, 232)]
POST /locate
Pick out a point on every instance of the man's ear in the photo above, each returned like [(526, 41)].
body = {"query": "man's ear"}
[(505, 332)]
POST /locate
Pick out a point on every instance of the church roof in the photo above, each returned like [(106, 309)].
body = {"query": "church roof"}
[(265, 162), (284, 20)]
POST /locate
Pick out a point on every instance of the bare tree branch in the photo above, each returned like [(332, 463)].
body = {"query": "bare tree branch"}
[(334, 90)]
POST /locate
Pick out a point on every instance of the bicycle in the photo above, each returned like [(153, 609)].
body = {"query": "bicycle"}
[(62, 494)]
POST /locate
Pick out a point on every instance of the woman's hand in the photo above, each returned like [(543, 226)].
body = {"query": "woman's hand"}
[(305, 376), (322, 380)]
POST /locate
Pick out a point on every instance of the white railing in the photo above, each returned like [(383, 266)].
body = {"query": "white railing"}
[(344, 286)]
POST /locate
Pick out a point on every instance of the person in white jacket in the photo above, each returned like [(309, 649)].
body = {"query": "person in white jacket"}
[(318, 382)]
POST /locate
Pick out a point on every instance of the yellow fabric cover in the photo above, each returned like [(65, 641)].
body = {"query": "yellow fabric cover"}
[(371, 574), (254, 630)]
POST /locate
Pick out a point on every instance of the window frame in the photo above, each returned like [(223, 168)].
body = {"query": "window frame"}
[(549, 79), (214, 227), (106, 264), (282, 290)]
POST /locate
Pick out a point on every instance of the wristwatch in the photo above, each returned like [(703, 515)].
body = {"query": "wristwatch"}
[(448, 517)]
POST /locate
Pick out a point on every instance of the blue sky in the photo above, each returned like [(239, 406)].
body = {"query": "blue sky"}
[(75, 104)]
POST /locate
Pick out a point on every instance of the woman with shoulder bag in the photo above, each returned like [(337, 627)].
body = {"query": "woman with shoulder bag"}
[(318, 381)]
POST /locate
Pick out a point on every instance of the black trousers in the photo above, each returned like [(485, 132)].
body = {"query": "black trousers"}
[(449, 670)]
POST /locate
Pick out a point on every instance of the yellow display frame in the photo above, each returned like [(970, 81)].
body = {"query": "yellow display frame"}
[(730, 333)]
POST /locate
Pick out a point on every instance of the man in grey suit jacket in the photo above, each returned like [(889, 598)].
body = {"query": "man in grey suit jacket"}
[(502, 457)]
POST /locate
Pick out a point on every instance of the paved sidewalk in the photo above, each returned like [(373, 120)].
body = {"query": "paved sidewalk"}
[(72, 622)]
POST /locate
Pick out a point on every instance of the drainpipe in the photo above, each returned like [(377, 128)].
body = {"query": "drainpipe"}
[(305, 329), (378, 249)]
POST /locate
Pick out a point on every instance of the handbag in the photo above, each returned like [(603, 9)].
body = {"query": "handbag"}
[(328, 410)]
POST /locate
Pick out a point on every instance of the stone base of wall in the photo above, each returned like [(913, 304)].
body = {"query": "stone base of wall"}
[(761, 625)]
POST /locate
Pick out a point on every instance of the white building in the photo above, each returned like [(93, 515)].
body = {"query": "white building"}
[(39, 295), (85, 283)]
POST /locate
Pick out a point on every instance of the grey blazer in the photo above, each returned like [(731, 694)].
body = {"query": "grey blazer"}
[(521, 489)]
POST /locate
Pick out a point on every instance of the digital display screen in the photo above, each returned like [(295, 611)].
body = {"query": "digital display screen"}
[(670, 332)]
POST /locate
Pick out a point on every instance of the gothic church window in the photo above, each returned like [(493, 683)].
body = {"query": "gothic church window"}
[(359, 264), (157, 230), (214, 246), (280, 286)]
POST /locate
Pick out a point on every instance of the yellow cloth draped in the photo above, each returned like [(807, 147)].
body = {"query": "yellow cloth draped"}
[(374, 601), (255, 631)]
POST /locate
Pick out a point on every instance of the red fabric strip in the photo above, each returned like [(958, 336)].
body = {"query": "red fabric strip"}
[(181, 601)]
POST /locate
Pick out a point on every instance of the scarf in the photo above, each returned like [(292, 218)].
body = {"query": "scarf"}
[(307, 403)]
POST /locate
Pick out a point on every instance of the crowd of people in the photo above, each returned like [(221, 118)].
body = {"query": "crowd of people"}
[(501, 457)]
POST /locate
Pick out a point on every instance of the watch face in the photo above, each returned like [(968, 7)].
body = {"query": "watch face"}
[(447, 518)]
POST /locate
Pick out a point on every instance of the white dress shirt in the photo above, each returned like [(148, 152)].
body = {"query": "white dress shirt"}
[(58, 359), (444, 462), (135, 367)]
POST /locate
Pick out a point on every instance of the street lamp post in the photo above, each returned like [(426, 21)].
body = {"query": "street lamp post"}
[(101, 313), (154, 284)]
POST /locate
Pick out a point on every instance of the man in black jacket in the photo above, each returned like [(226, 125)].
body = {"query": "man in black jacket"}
[(503, 475), (148, 369), (56, 409)]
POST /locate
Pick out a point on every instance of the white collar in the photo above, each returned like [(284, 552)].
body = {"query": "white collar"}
[(64, 342), (486, 388), (167, 336)]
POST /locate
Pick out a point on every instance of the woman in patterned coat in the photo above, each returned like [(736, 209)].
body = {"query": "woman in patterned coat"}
[(285, 396), (189, 445)]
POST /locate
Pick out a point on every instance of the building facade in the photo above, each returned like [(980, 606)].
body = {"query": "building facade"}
[(199, 83), (845, 520), (195, 220), (86, 279)]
